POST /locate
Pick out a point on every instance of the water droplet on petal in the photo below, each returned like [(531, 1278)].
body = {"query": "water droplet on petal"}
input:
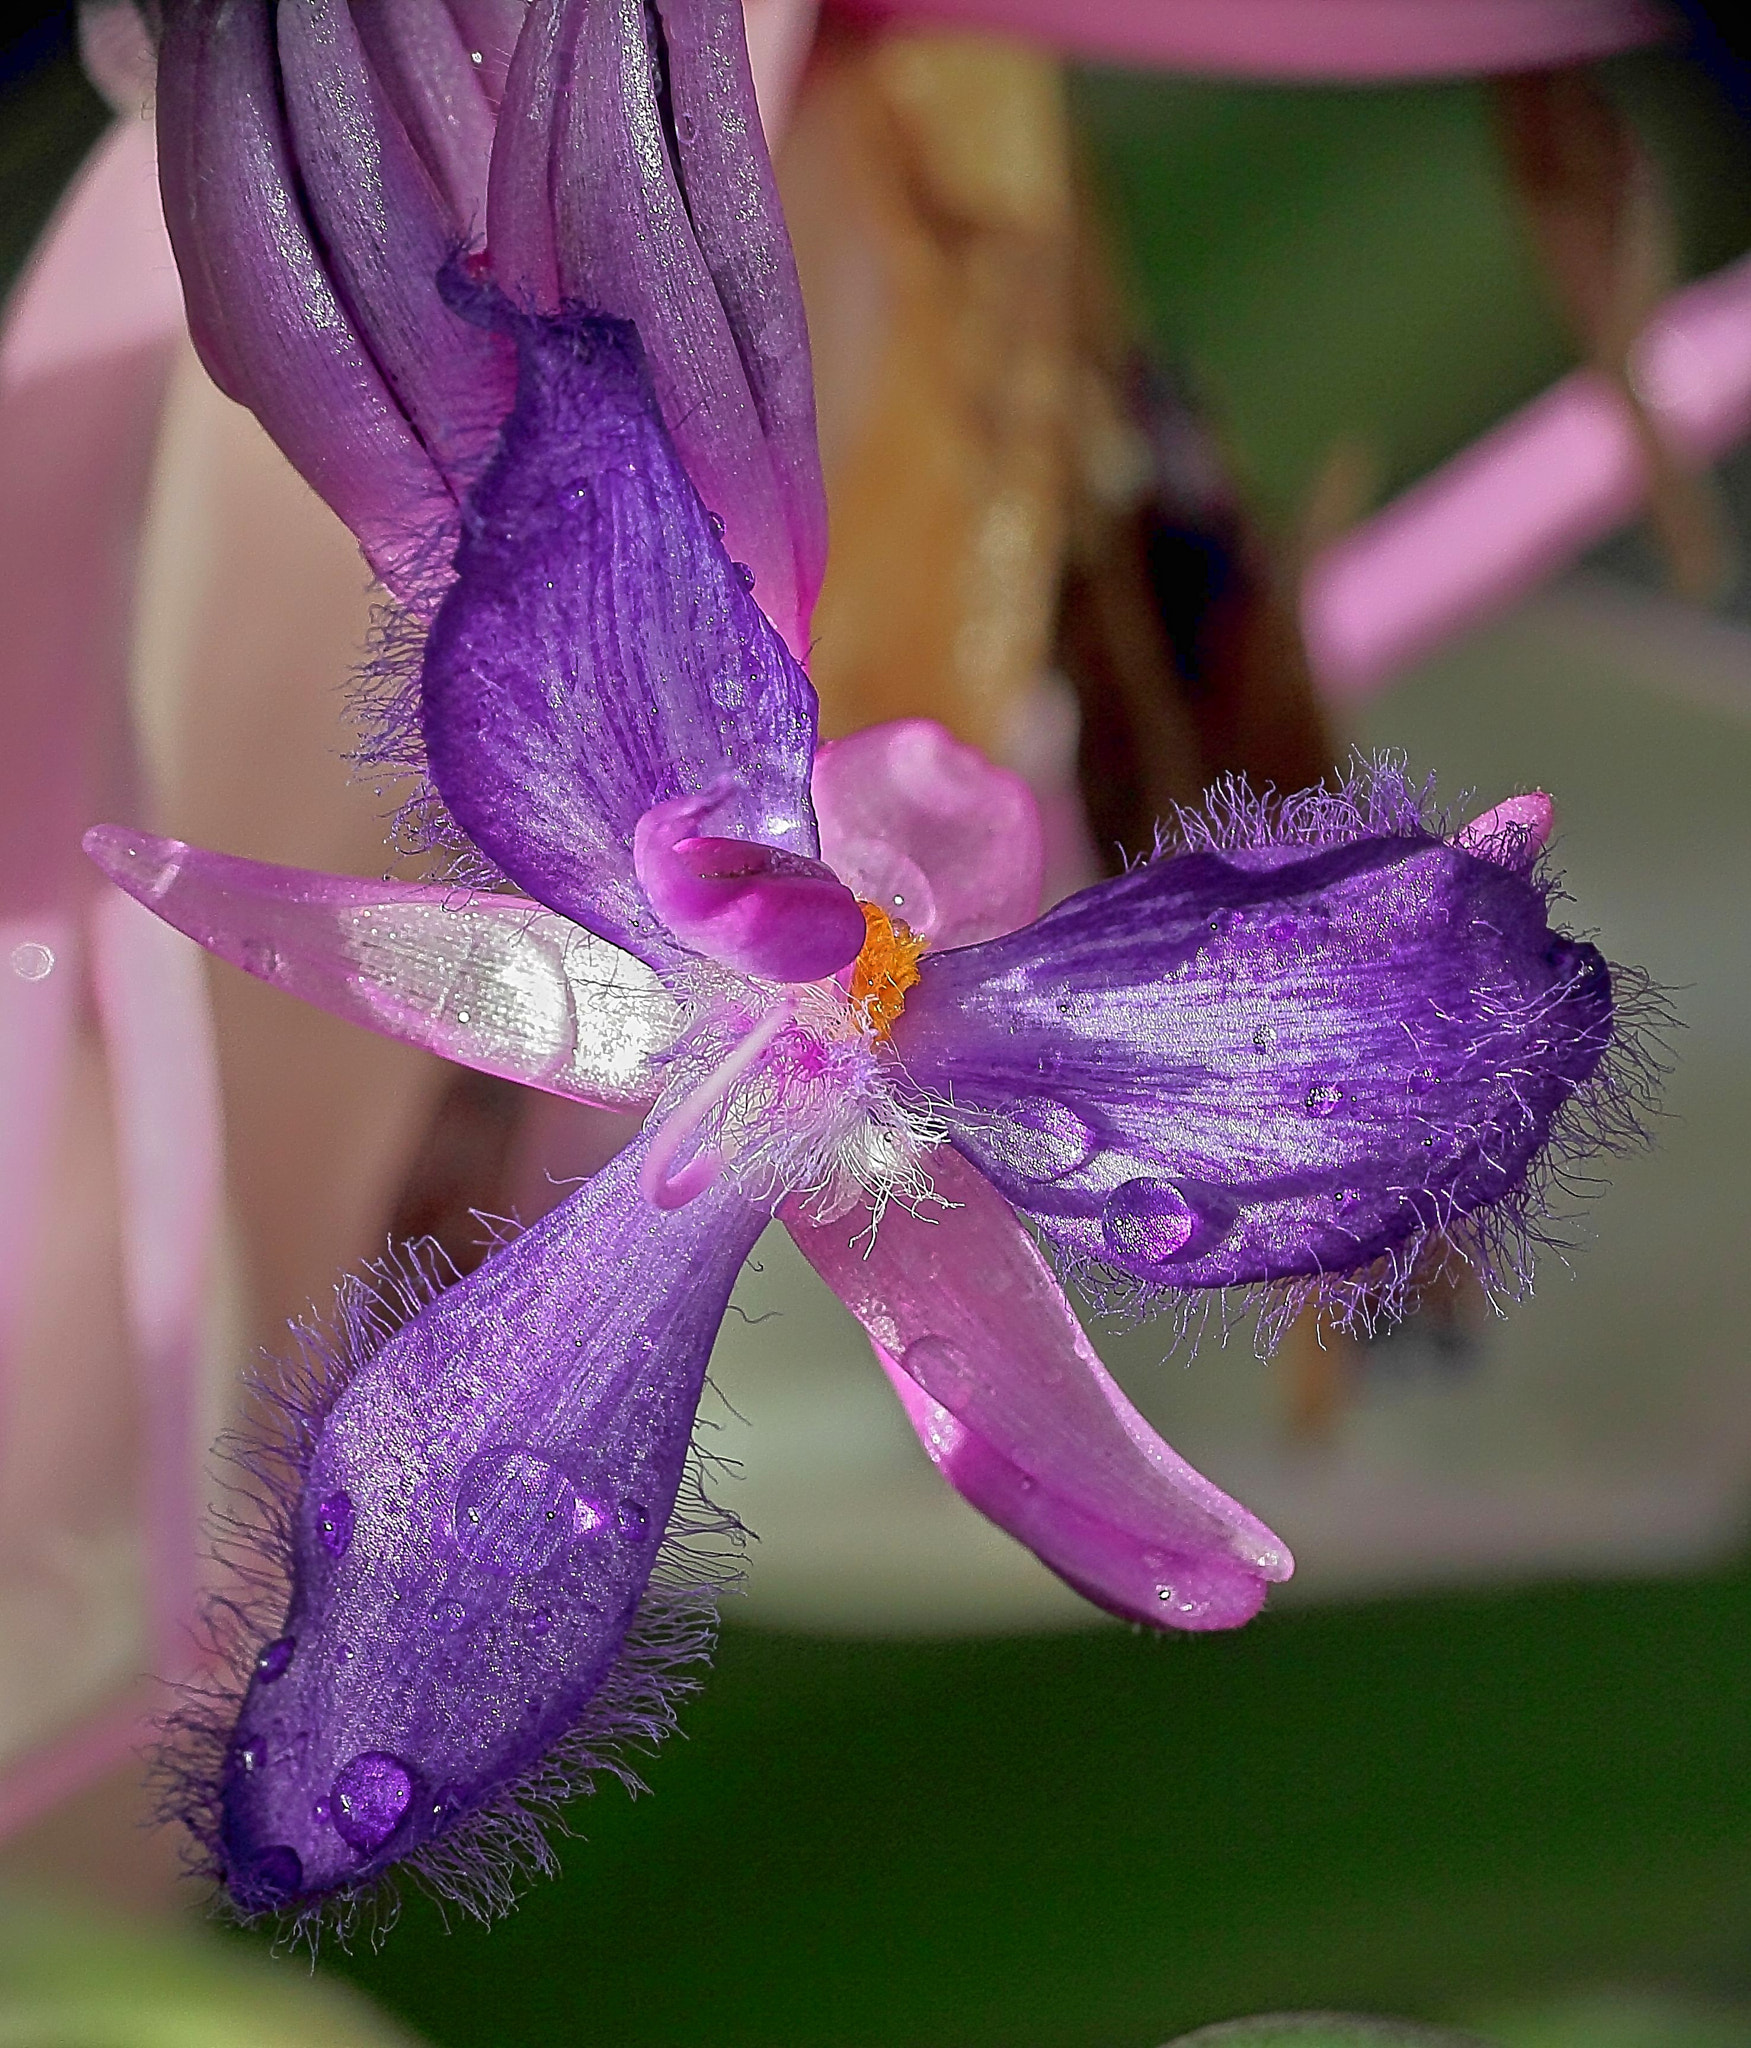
[(260, 958), (1146, 1222), (448, 1616), (370, 1794), (32, 962), (941, 1368), (717, 525), (513, 1510), (744, 575), (334, 1524), (632, 1518), (1324, 1099), (250, 1758), (274, 1659), (320, 1813), (1044, 1139)]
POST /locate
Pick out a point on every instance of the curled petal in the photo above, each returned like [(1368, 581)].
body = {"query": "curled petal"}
[(1021, 1416), (426, 66), (492, 982), (594, 203), (1271, 1058), (930, 830), (385, 235), (262, 307), (733, 204), (756, 908), (598, 652), (477, 1509)]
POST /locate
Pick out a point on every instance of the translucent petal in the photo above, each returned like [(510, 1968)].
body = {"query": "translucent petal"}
[(490, 982)]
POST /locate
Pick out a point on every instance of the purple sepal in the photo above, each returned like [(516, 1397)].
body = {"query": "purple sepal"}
[(1268, 1060), (598, 653), (755, 908), (602, 196), (262, 307), (510, 1458), (386, 234)]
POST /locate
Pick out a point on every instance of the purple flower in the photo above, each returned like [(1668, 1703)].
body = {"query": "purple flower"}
[(1312, 1043)]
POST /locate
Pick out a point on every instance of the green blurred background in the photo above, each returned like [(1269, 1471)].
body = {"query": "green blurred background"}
[(1438, 1805)]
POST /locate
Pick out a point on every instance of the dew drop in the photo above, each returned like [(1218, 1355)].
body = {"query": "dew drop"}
[(274, 1659), (370, 1794), (717, 525), (540, 1622), (513, 1510), (260, 958), (1146, 1222), (448, 1616), (320, 1813), (1044, 1139), (334, 1524), (632, 1518), (32, 962), (941, 1368), (1324, 1099), (250, 1758), (744, 575)]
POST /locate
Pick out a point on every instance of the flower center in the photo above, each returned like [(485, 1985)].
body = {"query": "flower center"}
[(884, 970)]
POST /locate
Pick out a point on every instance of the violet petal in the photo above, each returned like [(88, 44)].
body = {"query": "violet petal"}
[(598, 653), (262, 308), (738, 222), (1021, 1417), (625, 246), (492, 982), (509, 1459), (386, 235), (427, 70), (1268, 1061)]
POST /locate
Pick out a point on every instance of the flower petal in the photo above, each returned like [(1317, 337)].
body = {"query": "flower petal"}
[(492, 982), (598, 653), (1021, 1416), (1259, 1061), (930, 830), (1337, 40), (430, 74), (478, 1514), (385, 235), (262, 308), (592, 213), (733, 204), (756, 908)]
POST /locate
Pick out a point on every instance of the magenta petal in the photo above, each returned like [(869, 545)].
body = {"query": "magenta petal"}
[(755, 908), (927, 828), (492, 982), (1021, 1416), (262, 307), (625, 245), (598, 653), (385, 235)]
